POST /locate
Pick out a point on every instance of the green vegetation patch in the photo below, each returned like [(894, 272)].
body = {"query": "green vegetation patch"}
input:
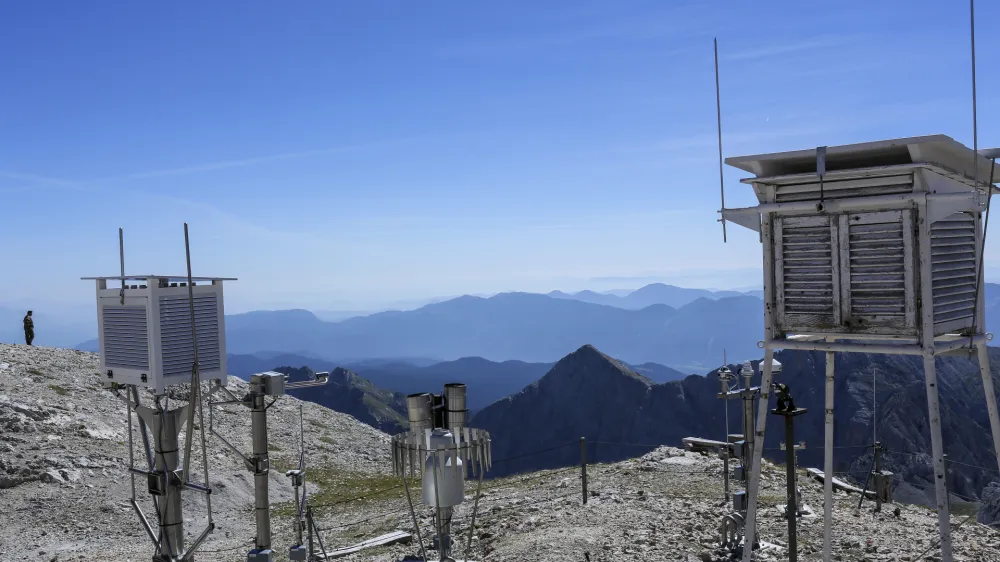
[(339, 488), (60, 390)]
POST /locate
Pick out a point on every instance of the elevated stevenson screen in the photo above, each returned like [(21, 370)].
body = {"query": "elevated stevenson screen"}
[(853, 240)]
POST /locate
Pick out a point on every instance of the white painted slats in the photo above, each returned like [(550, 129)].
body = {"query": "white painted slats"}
[(876, 271), (805, 270), (840, 189), (175, 334), (125, 337), (953, 268)]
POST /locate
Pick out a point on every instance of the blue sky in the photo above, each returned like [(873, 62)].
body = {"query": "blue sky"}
[(352, 154)]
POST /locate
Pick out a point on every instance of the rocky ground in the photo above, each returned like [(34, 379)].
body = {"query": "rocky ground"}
[(64, 491), (64, 488)]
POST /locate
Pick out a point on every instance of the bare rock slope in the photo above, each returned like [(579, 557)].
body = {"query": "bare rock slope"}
[(64, 487)]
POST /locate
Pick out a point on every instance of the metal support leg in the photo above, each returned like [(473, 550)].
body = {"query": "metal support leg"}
[(164, 480), (991, 398), (258, 424), (937, 450), (753, 491), (828, 461)]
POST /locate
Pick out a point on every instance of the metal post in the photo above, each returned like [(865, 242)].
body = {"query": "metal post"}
[(259, 462), (165, 482), (725, 469), (583, 467), (878, 477), (753, 490), (991, 397), (930, 384), (791, 509), (309, 528), (828, 461)]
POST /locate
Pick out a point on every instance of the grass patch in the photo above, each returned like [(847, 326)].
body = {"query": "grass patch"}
[(319, 424), (60, 390), (327, 440), (964, 509), (273, 447), (36, 372), (338, 486)]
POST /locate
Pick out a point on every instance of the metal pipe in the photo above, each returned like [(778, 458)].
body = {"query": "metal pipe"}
[(197, 487), (416, 525), (828, 461), (189, 555), (583, 467), (258, 428), (475, 508), (791, 510), (145, 523), (945, 347), (718, 119), (195, 379), (931, 388), (753, 486), (905, 349), (991, 399)]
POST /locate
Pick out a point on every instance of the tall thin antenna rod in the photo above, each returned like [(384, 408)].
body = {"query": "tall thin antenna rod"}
[(718, 118), (975, 123), (121, 260), (195, 379), (874, 418)]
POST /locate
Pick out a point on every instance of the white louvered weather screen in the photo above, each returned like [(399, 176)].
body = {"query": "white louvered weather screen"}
[(953, 259), (126, 343), (876, 269), (805, 271), (175, 334), (845, 270)]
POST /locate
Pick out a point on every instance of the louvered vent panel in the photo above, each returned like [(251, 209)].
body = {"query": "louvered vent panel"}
[(953, 259), (886, 185), (175, 334), (126, 344), (807, 270), (878, 277)]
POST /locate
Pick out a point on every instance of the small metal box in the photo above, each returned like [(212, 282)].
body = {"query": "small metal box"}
[(263, 555), (738, 448), (274, 384), (740, 473), (740, 501), (298, 553)]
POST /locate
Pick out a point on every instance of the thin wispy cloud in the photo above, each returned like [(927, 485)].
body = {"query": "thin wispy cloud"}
[(770, 51), (255, 161), (645, 30)]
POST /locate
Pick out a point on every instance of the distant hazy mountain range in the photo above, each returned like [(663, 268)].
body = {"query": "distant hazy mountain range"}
[(488, 381), (690, 335), (656, 293)]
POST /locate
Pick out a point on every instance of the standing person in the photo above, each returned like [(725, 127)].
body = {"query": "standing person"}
[(29, 328)]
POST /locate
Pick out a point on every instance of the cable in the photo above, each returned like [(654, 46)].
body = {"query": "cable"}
[(533, 453)]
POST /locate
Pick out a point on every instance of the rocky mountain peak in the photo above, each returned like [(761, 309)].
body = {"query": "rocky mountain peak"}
[(588, 367)]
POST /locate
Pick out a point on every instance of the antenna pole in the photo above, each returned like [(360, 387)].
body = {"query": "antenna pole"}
[(975, 123), (195, 379), (718, 119), (121, 260)]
